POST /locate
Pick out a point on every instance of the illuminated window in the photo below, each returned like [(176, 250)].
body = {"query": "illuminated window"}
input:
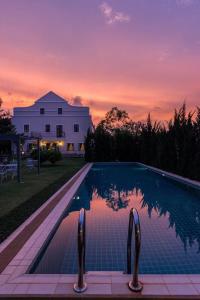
[(76, 127), (42, 111), (81, 147), (70, 147), (26, 128)]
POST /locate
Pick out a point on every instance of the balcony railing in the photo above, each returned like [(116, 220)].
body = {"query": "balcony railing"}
[(44, 134)]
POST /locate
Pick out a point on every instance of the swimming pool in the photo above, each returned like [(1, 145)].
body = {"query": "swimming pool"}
[(169, 215)]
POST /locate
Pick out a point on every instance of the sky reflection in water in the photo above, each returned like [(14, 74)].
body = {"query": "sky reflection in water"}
[(169, 215)]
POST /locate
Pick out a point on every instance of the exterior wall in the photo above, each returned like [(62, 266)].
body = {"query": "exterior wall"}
[(70, 115)]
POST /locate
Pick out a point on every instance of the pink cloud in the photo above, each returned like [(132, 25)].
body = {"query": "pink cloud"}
[(112, 16)]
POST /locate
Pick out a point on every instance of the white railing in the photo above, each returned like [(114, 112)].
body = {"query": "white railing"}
[(51, 134)]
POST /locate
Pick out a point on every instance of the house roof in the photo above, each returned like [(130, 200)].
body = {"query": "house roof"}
[(51, 97)]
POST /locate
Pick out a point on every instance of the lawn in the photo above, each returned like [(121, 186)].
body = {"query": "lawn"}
[(19, 201)]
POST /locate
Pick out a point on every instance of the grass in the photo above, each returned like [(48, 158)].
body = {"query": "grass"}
[(19, 201)]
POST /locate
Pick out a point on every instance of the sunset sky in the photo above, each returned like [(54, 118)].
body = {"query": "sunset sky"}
[(139, 55)]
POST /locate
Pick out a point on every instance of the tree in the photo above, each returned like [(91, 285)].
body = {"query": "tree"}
[(115, 119), (6, 126), (89, 146), (174, 146), (103, 142)]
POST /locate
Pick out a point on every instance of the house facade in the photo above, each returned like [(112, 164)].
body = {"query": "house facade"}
[(57, 123)]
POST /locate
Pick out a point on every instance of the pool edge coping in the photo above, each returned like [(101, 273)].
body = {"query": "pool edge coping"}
[(13, 235), (50, 205), (184, 180), (101, 282)]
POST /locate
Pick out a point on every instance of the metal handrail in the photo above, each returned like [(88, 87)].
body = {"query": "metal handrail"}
[(134, 284), (81, 286)]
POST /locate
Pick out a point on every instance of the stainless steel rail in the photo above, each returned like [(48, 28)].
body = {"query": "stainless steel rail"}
[(134, 284), (81, 286)]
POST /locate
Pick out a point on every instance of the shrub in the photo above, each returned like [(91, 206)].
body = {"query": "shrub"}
[(43, 155), (54, 155), (51, 155)]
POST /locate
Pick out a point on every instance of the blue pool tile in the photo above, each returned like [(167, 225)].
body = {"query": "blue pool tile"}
[(169, 215)]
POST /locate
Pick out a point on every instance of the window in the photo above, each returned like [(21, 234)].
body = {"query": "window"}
[(26, 128), (59, 131), (81, 147), (70, 147), (47, 128), (76, 127), (60, 110), (42, 111)]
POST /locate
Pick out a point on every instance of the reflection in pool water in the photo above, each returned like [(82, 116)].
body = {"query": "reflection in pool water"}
[(170, 222)]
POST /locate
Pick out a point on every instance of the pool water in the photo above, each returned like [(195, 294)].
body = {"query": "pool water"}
[(169, 215)]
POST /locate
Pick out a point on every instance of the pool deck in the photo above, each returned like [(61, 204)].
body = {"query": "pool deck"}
[(101, 284), (18, 252)]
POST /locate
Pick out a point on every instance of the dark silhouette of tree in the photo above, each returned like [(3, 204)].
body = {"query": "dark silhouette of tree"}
[(6, 127), (89, 146), (115, 119), (174, 146)]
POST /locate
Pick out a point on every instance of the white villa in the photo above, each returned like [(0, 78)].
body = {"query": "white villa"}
[(56, 122)]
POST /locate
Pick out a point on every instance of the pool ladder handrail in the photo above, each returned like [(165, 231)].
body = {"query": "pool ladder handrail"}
[(134, 284), (81, 286)]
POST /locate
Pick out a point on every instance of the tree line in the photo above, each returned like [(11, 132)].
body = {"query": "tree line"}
[(173, 146), (6, 127)]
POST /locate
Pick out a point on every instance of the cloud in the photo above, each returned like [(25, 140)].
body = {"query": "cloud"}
[(156, 108), (77, 100), (164, 55), (20, 102), (112, 16), (185, 2)]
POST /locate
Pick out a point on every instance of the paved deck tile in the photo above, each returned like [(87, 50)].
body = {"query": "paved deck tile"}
[(156, 289), (176, 278), (98, 289), (42, 288), (182, 289), (63, 288)]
